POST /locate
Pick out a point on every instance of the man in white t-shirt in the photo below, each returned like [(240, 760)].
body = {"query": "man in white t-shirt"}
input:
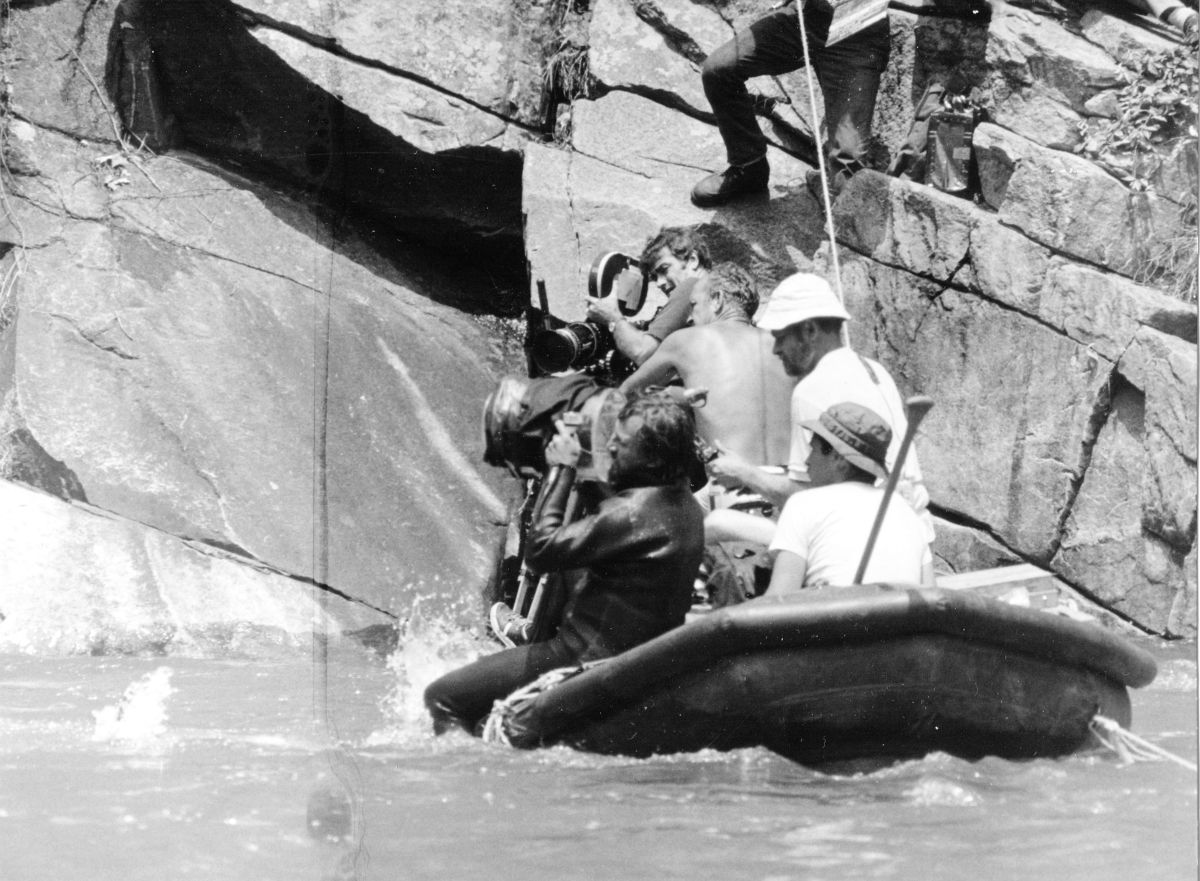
[(823, 532), (805, 318)]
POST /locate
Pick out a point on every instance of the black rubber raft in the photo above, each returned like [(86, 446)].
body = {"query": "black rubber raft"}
[(844, 674)]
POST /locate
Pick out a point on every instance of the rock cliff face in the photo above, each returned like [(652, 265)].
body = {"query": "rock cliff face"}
[(1054, 439), (250, 350), (241, 383)]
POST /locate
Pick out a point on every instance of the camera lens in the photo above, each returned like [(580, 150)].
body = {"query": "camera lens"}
[(572, 346)]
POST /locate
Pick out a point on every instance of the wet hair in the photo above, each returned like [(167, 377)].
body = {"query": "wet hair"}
[(666, 439), (681, 241), (735, 284)]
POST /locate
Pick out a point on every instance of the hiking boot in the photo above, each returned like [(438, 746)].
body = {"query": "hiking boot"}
[(509, 627), (734, 182)]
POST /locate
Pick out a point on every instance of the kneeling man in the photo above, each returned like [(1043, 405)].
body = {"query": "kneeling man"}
[(636, 557), (823, 532)]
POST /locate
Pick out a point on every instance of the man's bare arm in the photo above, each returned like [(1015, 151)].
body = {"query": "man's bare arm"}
[(787, 575), (656, 370), (731, 470), (634, 344)]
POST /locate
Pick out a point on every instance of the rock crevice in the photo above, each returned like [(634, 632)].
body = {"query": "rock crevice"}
[(266, 281)]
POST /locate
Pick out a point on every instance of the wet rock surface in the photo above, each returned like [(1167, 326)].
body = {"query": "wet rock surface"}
[(203, 358), (183, 336)]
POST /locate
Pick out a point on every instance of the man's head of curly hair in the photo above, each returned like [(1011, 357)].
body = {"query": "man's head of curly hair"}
[(666, 438)]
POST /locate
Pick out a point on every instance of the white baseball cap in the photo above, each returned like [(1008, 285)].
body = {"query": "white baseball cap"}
[(800, 297)]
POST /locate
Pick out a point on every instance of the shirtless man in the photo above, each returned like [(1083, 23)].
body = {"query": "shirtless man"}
[(746, 412)]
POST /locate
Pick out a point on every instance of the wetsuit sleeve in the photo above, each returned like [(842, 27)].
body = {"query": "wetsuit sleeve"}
[(552, 544)]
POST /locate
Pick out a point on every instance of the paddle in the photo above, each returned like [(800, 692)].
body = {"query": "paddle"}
[(916, 406)]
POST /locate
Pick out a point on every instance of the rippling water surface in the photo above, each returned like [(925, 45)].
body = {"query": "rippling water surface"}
[(290, 768)]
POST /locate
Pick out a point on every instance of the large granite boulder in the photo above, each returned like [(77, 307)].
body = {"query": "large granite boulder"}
[(1031, 356), (1065, 427), (609, 190), (488, 55), (197, 354), (423, 135), (79, 580), (1070, 205), (1018, 313)]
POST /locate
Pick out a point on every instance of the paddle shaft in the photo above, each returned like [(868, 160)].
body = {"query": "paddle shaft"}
[(916, 407)]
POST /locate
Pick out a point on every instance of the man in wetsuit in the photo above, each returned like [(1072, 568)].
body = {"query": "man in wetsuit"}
[(674, 259), (636, 558)]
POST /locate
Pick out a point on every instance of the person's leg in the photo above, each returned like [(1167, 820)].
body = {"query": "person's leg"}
[(771, 45), (849, 74), (464, 696)]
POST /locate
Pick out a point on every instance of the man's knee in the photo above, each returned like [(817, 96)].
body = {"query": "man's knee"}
[(720, 67), (444, 709)]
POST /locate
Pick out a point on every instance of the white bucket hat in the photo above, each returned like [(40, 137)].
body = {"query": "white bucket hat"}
[(800, 297)]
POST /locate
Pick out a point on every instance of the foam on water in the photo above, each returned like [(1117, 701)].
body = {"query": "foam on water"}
[(936, 791)]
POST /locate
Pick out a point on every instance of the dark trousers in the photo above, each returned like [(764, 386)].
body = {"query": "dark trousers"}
[(464, 697), (848, 72)]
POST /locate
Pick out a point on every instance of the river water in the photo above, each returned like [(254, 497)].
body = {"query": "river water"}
[(299, 764)]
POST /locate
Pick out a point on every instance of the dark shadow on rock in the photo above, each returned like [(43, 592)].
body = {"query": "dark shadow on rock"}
[(26, 461), (22, 457), (952, 52), (190, 74), (796, 208)]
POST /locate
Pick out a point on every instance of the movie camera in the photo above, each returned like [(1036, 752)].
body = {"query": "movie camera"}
[(559, 345), (519, 417)]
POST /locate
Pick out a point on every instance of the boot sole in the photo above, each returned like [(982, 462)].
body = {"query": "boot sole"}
[(717, 201)]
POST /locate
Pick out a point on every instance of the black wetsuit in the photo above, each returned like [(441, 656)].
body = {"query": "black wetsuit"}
[(637, 558)]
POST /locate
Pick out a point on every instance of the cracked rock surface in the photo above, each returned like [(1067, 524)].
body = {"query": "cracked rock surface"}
[(183, 335), (200, 358), (1016, 312)]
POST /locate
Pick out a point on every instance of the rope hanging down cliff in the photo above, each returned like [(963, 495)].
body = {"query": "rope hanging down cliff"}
[(823, 171)]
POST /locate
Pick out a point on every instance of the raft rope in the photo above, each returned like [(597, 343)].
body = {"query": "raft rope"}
[(1128, 746), (496, 728), (821, 165)]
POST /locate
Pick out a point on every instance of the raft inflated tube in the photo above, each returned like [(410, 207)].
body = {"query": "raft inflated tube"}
[(843, 616)]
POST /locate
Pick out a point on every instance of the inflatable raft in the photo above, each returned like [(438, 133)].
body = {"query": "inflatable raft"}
[(844, 674)]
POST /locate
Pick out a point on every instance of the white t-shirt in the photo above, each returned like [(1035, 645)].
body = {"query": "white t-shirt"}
[(828, 526), (843, 375)]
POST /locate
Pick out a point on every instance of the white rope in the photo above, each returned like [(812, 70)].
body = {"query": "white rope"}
[(1129, 746), (821, 167), (496, 728)]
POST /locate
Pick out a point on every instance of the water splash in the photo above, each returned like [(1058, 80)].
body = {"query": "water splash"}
[(430, 646), (141, 714), (1177, 675)]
